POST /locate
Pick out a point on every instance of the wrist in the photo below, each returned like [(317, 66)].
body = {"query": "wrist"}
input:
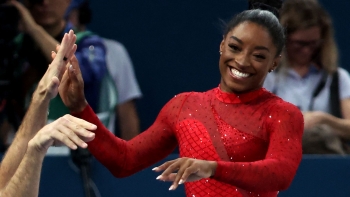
[(213, 166), (34, 151), (79, 107)]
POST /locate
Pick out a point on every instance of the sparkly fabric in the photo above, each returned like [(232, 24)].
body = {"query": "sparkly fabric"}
[(254, 137)]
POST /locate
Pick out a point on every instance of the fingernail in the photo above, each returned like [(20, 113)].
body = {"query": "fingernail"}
[(181, 181), (159, 177), (156, 168), (52, 51), (171, 187)]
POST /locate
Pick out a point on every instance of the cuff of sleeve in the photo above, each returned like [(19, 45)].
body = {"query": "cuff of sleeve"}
[(222, 170), (86, 110)]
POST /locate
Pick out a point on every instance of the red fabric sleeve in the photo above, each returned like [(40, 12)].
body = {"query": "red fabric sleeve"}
[(124, 158), (277, 170)]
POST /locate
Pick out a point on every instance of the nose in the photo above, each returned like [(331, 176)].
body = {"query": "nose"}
[(242, 60)]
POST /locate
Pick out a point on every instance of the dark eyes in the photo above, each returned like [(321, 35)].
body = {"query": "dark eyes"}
[(235, 48), (260, 57)]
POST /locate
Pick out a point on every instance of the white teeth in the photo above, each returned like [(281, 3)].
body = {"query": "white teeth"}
[(239, 74)]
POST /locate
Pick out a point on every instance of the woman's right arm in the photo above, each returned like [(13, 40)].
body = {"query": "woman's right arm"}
[(124, 158)]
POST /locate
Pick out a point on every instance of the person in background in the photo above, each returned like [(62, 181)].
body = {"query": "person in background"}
[(121, 70), (41, 26), (309, 75), (21, 166), (234, 140)]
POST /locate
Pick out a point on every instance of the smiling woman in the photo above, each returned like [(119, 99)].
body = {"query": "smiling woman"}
[(234, 140)]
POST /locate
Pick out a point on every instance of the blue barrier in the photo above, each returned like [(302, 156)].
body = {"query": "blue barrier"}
[(316, 176)]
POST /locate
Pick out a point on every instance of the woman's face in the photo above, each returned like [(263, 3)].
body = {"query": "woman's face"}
[(302, 45), (248, 53)]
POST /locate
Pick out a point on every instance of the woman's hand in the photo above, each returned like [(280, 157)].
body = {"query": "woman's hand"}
[(71, 88), (67, 130), (185, 169)]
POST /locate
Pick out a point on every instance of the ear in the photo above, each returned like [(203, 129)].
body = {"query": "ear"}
[(222, 44), (276, 62)]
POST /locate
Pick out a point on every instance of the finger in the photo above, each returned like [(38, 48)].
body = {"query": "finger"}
[(71, 52), (191, 170), (175, 166), (70, 133), (178, 176), (164, 166), (61, 138), (83, 123), (53, 54), (83, 134)]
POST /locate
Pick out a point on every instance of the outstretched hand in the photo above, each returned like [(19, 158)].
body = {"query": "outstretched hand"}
[(67, 130), (71, 88), (48, 85), (185, 169)]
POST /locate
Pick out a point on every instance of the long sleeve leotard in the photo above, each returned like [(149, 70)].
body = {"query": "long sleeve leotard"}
[(254, 137)]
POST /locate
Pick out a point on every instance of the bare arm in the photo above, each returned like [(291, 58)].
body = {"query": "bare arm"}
[(65, 130), (341, 125), (36, 115), (128, 120), (44, 40)]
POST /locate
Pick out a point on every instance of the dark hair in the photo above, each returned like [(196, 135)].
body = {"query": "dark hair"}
[(265, 18)]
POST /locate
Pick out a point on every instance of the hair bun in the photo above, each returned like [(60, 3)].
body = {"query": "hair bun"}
[(269, 5)]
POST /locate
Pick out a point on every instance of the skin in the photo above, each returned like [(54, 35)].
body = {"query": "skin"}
[(300, 59), (25, 155), (245, 55), (249, 49), (43, 22)]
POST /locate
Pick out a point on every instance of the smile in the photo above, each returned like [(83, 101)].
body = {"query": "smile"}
[(239, 74)]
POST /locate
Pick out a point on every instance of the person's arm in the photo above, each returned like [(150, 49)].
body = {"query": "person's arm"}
[(341, 126), (124, 158), (65, 130), (44, 40), (36, 115), (128, 120)]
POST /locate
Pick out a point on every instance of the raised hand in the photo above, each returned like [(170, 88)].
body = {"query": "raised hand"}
[(185, 169), (72, 85), (67, 130), (48, 85)]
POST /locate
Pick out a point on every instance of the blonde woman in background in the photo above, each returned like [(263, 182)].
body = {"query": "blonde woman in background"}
[(309, 75)]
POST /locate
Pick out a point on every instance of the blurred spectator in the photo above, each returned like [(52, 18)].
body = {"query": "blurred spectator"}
[(309, 77), (41, 24), (120, 68)]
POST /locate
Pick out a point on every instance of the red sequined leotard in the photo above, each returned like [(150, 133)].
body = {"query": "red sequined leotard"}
[(255, 138)]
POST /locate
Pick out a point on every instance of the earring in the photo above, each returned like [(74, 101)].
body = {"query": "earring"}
[(220, 52), (271, 70)]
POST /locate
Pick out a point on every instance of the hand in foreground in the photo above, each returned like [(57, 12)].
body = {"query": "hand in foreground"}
[(188, 169), (72, 85), (49, 83), (67, 130)]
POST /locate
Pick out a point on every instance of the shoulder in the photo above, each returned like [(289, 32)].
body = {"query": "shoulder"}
[(343, 74), (279, 107), (115, 46)]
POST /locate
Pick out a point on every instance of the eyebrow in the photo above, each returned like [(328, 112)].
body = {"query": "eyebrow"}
[(257, 47)]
